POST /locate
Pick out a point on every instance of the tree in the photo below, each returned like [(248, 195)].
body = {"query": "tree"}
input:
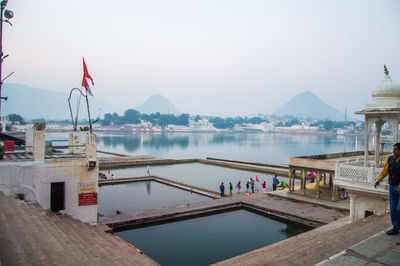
[(218, 122), (197, 118), (183, 120), (328, 124), (107, 119), (16, 118), (256, 120), (132, 116)]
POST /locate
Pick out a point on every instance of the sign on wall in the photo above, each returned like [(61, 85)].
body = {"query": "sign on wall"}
[(87, 187), (87, 199)]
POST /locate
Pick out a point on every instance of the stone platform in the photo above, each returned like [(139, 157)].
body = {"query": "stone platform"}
[(30, 235)]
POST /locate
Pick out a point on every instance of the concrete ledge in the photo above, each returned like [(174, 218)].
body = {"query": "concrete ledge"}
[(193, 189)]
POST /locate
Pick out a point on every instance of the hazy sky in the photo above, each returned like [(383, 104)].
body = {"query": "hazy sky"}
[(211, 57)]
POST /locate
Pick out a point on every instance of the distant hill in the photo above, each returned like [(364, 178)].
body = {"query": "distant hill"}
[(307, 104), (30, 103), (157, 103)]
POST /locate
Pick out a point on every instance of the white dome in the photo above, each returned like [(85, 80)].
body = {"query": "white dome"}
[(386, 88), (385, 95)]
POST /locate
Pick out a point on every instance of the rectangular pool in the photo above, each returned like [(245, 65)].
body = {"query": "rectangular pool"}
[(209, 239), (144, 195), (200, 175)]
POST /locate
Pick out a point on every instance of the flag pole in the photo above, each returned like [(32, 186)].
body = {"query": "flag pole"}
[(90, 120)]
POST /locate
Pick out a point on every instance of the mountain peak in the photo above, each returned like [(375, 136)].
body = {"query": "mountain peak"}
[(157, 103), (307, 104)]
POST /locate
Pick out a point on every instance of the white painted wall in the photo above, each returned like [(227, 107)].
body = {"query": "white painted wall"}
[(34, 178)]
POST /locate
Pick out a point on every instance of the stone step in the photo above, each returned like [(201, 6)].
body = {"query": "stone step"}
[(30, 235)]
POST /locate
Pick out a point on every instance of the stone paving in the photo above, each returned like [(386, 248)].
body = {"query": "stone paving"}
[(314, 246), (30, 235), (380, 249), (290, 208)]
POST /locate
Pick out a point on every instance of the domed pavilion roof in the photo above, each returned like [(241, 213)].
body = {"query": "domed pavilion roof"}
[(385, 95)]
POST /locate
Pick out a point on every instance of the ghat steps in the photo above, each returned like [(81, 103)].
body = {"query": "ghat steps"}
[(30, 235)]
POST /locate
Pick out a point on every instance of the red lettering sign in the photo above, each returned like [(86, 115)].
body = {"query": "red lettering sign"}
[(87, 199)]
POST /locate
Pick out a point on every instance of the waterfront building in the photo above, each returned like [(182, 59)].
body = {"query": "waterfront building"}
[(201, 125), (57, 181), (358, 178), (357, 171)]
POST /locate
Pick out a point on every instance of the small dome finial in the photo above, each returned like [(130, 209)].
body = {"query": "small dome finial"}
[(385, 70)]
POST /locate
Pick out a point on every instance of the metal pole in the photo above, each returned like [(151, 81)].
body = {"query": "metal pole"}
[(90, 120), (3, 6)]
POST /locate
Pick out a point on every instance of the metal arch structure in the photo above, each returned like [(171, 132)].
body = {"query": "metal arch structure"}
[(8, 14), (75, 123)]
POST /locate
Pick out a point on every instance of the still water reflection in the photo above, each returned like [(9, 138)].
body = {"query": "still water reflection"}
[(206, 240), (137, 196), (198, 174), (259, 147)]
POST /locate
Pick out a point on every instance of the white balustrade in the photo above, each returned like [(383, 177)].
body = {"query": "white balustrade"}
[(359, 178)]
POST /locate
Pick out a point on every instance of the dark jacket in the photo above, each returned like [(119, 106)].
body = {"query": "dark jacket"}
[(394, 171)]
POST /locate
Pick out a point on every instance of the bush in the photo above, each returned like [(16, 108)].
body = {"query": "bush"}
[(39, 125)]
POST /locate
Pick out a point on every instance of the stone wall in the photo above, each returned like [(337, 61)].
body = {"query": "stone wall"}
[(34, 178)]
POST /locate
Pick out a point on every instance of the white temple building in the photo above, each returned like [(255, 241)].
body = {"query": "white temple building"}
[(359, 178)]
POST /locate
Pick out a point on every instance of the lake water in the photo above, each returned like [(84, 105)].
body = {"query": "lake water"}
[(209, 239), (258, 147), (137, 196)]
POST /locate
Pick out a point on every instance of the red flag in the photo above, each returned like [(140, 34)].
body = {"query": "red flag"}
[(257, 179), (85, 76)]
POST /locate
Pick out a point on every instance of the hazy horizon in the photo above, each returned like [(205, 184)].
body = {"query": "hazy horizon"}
[(222, 58)]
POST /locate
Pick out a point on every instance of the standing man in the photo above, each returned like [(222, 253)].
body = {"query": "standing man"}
[(392, 167), (222, 188), (275, 182), (252, 185), (148, 170)]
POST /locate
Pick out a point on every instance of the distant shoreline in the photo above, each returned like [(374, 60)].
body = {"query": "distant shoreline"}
[(319, 133)]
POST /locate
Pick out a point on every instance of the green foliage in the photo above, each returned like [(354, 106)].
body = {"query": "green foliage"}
[(16, 118), (183, 120), (39, 126), (2, 149), (132, 116), (219, 122), (39, 120), (84, 128), (107, 120)]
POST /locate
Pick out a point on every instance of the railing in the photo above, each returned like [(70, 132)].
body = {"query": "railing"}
[(359, 177)]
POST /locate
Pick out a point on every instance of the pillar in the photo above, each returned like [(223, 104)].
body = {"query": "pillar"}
[(317, 184), (353, 208), (77, 141), (366, 153), (378, 126), (334, 187), (303, 182), (290, 178), (39, 137)]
